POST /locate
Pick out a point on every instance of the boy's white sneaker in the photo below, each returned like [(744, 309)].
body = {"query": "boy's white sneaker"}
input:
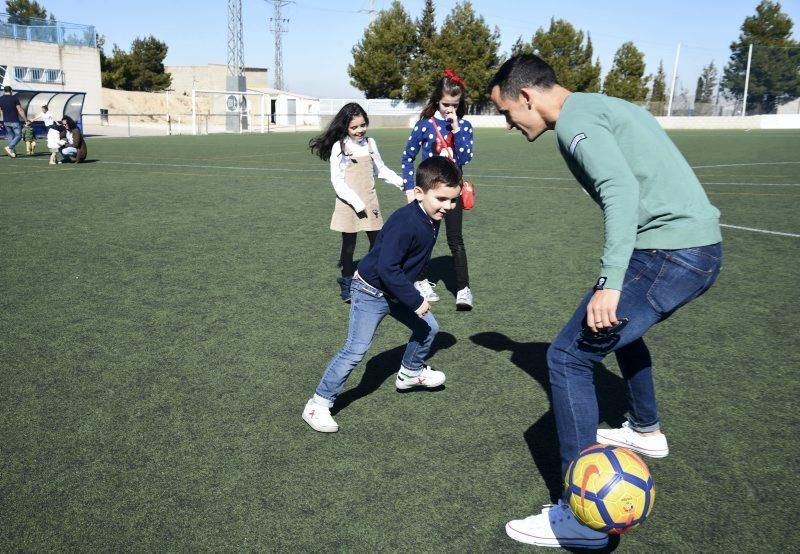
[(429, 379), (653, 446), (464, 299), (425, 288), (319, 417), (557, 527)]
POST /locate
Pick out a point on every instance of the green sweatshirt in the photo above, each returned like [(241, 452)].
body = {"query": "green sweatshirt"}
[(651, 198), (27, 134)]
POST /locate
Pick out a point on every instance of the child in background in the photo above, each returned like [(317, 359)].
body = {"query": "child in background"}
[(45, 116), (442, 131), (54, 142), (384, 284), (29, 137), (354, 161)]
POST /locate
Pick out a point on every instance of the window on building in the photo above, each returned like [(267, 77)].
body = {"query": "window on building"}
[(36, 74), (53, 76), (20, 72)]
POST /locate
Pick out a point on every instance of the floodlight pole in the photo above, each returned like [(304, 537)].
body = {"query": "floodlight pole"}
[(747, 79), (674, 78)]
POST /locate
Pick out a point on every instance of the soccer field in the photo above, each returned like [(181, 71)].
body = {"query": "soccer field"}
[(169, 307)]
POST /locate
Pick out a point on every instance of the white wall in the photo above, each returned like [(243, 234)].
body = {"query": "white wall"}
[(771, 121), (80, 64)]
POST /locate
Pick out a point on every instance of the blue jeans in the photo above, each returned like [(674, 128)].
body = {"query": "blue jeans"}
[(13, 133), (657, 283), (368, 307)]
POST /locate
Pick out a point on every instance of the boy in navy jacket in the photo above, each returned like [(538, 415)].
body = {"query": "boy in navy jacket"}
[(384, 284)]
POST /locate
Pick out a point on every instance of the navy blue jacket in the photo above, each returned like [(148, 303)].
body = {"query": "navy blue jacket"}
[(402, 249)]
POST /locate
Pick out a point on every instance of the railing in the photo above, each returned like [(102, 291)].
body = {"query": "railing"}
[(44, 30)]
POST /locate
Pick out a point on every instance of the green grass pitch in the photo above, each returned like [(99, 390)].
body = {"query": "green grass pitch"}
[(168, 308)]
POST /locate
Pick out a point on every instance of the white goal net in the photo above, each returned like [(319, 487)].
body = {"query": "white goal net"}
[(227, 111)]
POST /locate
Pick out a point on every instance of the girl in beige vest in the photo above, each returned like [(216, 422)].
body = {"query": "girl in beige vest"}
[(355, 162)]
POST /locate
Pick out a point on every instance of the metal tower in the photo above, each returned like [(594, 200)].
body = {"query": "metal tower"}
[(278, 29), (235, 39)]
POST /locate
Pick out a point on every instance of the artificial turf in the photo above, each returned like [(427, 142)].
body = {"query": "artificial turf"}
[(168, 308)]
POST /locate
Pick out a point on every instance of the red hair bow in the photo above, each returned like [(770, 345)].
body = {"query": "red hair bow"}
[(453, 76)]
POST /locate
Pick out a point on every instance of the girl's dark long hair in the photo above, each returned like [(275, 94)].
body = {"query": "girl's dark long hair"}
[(449, 87), (336, 131)]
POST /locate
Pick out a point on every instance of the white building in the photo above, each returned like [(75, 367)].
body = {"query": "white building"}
[(52, 56)]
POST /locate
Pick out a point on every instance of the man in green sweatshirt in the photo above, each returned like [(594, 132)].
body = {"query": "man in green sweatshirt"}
[(662, 249)]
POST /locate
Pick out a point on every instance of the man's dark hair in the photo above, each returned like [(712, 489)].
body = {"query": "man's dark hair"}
[(436, 171), (6, 88), (523, 70)]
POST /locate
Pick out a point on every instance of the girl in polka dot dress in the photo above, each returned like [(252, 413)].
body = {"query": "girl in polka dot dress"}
[(443, 131)]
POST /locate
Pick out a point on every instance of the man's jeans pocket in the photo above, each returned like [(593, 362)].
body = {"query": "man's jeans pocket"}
[(684, 275)]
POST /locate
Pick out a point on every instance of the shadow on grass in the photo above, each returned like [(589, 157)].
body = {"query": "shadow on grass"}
[(541, 437), (385, 365)]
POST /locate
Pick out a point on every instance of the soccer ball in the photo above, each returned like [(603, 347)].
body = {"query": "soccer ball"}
[(609, 489)]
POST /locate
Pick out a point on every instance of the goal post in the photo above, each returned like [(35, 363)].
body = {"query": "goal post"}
[(214, 110)]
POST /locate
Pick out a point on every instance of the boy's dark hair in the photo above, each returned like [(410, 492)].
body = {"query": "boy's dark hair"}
[(336, 131), (445, 85), (436, 171), (520, 71)]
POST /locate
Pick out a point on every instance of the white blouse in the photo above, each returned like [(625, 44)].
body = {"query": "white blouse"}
[(339, 164)]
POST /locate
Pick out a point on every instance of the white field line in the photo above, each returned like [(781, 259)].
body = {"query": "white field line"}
[(759, 230), (742, 164), (289, 170)]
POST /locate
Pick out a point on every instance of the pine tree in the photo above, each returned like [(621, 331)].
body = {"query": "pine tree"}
[(562, 47), (21, 11), (466, 44), (775, 66), (423, 71), (626, 79), (140, 69), (658, 95), (521, 47), (381, 58), (706, 83)]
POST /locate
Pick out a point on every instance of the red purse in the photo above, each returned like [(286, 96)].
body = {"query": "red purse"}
[(467, 187)]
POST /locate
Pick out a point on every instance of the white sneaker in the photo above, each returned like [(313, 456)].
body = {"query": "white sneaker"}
[(319, 417), (429, 379), (425, 288), (464, 299), (653, 446), (11, 153), (556, 526)]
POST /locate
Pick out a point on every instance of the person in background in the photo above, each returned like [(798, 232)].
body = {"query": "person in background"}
[(443, 131), (75, 150), (354, 161), (12, 114), (29, 137)]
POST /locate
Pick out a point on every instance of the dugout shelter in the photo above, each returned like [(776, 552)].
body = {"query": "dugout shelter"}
[(59, 103)]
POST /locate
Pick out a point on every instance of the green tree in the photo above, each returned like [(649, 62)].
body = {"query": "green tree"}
[(382, 56), (706, 83), (470, 47), (561, 45), (775, 66), (521, 47), (20, 11), (423, 71), (658, 95), (626, 79), (142, 69)]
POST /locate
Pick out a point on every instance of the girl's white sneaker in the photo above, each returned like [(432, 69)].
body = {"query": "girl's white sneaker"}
[(319, 417)]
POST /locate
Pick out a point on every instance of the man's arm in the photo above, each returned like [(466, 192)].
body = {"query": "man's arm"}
[(608, 173)]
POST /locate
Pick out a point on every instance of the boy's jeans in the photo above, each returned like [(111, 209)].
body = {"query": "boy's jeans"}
[(13, 134), (368, 306), (657, 283)]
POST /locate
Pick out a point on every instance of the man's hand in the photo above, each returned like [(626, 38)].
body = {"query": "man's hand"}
[(601, 312), (422, 310)]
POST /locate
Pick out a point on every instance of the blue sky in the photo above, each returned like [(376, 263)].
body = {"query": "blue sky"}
[(317, 48)]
